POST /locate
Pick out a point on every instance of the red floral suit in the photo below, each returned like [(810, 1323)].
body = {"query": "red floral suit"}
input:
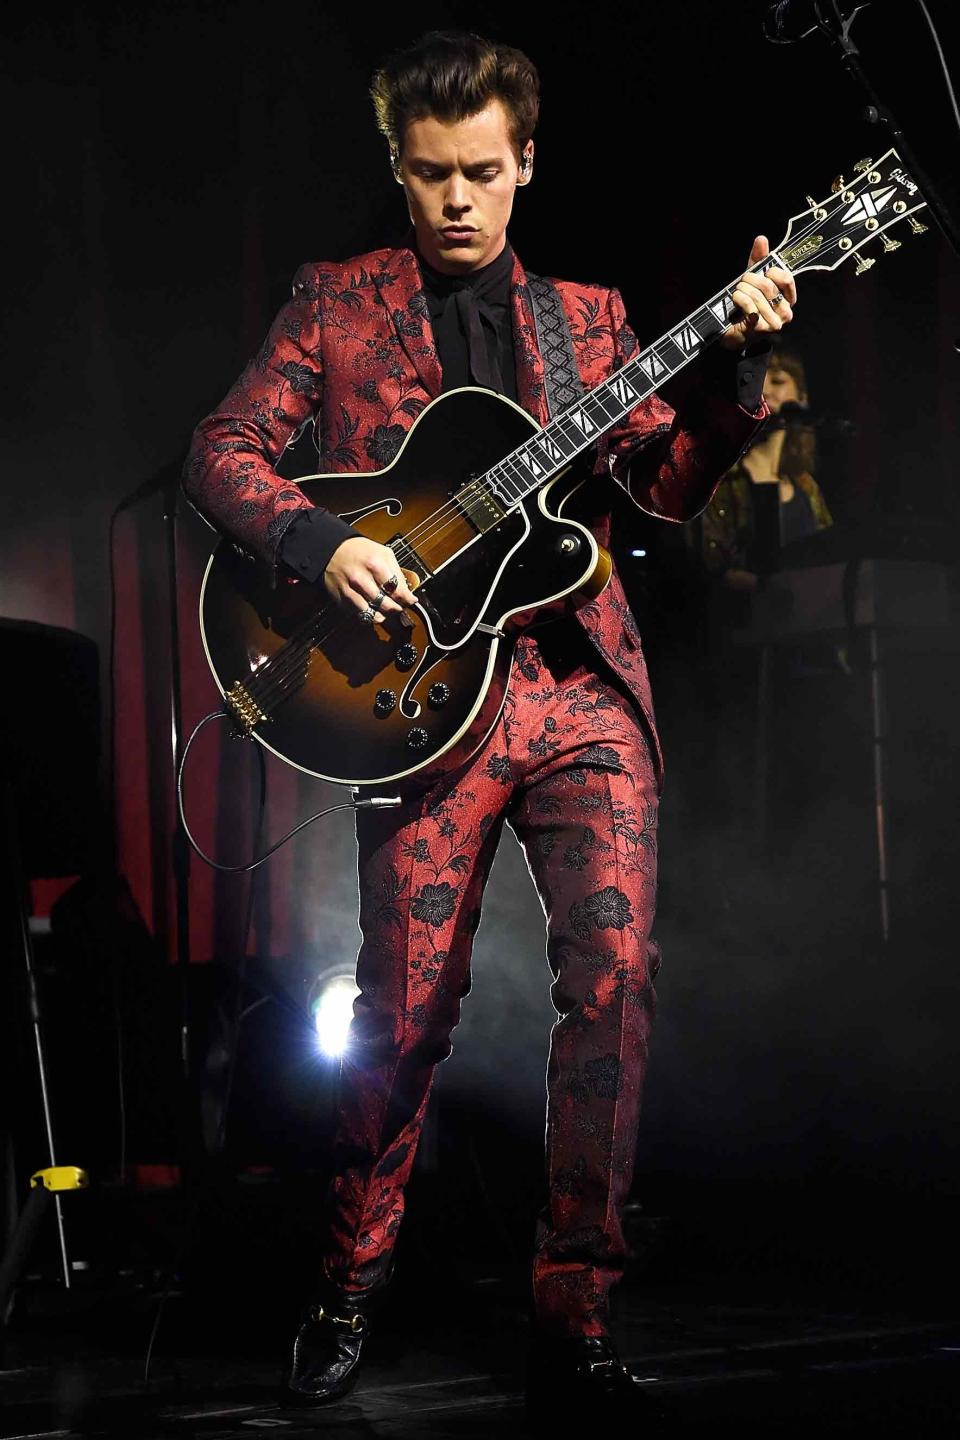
[(571, 765)]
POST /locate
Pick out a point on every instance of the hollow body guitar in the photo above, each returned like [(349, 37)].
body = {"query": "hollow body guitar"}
[(472, 506), (364, 704)]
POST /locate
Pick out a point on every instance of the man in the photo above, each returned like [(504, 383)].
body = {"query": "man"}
[(573, 762)]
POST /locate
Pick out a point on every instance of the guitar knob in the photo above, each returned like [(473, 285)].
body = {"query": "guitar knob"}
[(407, 656), (438, 695), (384, 702), (417, 739), (568, 544)]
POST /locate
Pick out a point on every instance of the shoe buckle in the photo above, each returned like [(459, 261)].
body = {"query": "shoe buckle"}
[(613, 1366), (354, 1323)]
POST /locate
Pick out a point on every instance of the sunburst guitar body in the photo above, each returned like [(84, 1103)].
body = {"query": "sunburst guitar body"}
[(406, 701), (472, 507)]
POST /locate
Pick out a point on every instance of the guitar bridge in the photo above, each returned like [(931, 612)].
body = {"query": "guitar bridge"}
[(408, 557)]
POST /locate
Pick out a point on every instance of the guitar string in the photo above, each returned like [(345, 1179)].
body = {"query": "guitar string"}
[(427, 528), (563, 417), (423, 531), (287, 665), (283, 669)]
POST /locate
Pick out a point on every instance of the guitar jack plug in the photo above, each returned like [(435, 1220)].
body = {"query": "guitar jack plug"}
[(376, 802)]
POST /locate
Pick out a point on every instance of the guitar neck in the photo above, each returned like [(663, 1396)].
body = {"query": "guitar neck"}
[(583, 423)]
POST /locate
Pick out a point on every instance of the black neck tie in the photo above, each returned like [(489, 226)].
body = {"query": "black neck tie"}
[(462, 310)]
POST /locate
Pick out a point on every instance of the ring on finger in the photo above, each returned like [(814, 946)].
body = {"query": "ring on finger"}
[(390, 585), (369, 615), (776, 299)]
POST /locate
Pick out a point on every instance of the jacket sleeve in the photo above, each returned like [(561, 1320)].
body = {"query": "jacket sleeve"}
[(670, 462), (229, 475)]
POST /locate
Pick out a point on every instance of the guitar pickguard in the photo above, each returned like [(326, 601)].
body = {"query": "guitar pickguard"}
[(456, 596)]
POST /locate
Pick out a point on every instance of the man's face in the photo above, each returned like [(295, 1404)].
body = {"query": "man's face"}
[(459, 177)]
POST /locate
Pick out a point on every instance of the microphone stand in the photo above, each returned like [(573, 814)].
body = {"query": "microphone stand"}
[(837, 30)]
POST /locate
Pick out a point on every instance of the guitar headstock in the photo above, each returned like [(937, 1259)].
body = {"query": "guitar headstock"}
[(855, 213)]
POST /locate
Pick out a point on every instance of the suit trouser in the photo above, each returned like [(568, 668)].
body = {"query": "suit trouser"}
[(569, 767)]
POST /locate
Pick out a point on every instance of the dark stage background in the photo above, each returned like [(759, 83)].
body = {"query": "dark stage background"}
[(167, 169)]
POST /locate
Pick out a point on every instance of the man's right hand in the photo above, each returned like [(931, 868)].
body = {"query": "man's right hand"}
[(362, 573)]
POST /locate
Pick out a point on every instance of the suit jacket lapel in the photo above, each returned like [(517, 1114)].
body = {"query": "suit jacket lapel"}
[(401, 289), (531, 389)]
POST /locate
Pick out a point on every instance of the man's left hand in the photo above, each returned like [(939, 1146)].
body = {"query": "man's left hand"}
[(755, 296)]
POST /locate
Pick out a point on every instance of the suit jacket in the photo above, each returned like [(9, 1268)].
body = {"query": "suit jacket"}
[(353, 353)]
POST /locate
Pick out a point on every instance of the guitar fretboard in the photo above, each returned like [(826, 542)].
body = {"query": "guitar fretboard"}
[(582, 424)]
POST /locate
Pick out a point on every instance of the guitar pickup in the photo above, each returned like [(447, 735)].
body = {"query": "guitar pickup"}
[(478, 505)]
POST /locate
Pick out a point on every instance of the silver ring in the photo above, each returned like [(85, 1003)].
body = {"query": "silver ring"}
[(369, 615), (380, 595), (775, 299), (390, 585)]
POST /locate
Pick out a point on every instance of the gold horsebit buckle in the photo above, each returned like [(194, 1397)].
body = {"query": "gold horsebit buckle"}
[(355, 1323)]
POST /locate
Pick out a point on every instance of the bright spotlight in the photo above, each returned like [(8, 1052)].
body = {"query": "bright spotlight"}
[(332, 1011)]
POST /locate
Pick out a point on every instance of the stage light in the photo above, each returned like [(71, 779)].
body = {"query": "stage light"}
[(639, 554), (331, 1005)]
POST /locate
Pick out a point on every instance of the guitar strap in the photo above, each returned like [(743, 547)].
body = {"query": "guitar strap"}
[(562, 377)]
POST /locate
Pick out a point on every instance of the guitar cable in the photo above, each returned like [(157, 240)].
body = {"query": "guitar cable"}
[(379, 802), (202, 1189)]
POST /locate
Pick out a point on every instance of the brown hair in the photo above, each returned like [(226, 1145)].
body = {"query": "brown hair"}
[(453, 74), (799, 455)]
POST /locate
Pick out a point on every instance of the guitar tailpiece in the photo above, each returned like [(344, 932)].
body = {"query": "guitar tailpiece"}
[(243, 708)]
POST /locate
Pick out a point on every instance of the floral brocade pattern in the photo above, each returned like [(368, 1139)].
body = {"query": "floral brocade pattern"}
[(570, 766), (352, 354), (573, 763)]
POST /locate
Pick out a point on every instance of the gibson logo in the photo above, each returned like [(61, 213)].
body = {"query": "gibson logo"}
[(904, 179)]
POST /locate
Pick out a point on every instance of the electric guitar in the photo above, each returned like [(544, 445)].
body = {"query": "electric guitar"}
[(473, 508)]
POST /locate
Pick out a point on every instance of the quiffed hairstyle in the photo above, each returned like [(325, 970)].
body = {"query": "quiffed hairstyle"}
[(453, 74)]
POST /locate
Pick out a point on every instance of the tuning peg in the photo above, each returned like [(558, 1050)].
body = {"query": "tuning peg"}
[(863, 165), (916, 227), (863, 264), (838, 184), (889, 243)]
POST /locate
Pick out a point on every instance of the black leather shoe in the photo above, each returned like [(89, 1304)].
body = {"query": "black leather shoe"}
[(326, 1352), (582, 1380)]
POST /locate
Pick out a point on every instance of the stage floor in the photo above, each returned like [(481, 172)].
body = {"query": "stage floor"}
[(758, 1364)]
